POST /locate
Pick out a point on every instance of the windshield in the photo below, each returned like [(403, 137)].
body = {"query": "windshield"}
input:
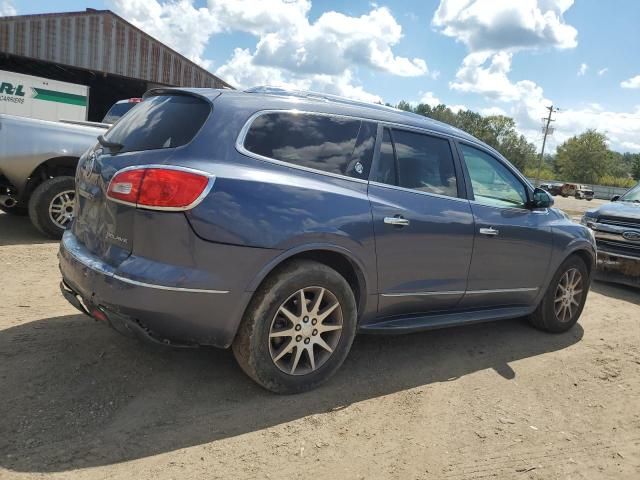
[(163, 121), (632, 195), (117, 110)]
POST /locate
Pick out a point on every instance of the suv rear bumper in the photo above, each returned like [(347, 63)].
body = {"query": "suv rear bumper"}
[(168, 314)]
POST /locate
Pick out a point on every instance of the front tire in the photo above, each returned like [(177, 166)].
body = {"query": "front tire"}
[(51, 206), (298, 328), (565, 297)]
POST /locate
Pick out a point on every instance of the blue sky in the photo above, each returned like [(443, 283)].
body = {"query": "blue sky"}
[(493, 56)]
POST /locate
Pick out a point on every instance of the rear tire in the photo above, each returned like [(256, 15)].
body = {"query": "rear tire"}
[(52, 200), (278, 350), (564, 299)]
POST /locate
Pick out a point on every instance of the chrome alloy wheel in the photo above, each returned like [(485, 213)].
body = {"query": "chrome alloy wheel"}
[(568, 295), (61, 208), (305, 331)]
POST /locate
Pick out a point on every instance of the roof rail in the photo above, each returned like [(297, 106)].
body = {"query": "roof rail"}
[(327, 97)]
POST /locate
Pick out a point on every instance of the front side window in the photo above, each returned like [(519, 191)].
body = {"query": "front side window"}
[(493, 184), (417, 161), (332, 144), (632, 195)]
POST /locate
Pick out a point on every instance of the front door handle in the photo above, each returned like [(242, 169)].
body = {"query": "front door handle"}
[(492, 232), (398, 221)]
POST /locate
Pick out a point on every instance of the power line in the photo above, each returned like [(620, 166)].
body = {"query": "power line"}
[(546, 130)]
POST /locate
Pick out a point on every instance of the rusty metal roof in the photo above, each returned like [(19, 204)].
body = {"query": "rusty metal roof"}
[(101, 41)]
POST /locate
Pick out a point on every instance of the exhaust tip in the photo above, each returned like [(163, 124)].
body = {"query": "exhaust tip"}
[(8, 202)]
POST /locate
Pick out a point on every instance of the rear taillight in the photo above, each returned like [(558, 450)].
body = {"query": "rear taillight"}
[(159, 188)]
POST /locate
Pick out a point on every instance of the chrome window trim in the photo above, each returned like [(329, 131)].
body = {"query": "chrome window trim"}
[(196, 202), (142, 284), (460, 292), (245, 129)]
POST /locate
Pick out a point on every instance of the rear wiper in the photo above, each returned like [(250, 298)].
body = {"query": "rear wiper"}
[(106, 143)]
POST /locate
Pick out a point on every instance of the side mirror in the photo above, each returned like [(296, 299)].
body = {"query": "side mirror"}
[(615, 198), (541, 199)]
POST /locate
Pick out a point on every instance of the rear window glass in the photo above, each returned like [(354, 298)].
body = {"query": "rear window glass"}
[(331, 144), (164, 121), (118, 110)]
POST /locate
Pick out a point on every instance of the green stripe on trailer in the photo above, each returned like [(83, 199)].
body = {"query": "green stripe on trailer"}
[(60, 97)]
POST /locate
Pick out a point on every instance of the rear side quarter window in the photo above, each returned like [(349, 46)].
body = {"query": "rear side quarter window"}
[(332, 144)]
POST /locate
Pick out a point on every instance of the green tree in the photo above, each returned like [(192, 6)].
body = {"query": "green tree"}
[(635, 166), (584, 158)]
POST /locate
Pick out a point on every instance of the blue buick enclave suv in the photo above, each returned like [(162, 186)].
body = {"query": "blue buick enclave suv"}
[(281, 223)]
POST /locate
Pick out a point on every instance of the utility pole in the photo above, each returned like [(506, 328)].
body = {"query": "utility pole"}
[(548, 120)]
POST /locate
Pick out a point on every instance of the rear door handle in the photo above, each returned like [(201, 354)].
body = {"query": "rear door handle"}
[(492, 232), (398, 221)]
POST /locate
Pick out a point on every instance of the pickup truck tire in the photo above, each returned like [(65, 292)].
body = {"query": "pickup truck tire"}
[(279, 333), (49, 201), (16, 211), (564, 299)]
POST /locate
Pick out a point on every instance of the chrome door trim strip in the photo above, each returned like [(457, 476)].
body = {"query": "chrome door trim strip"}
[(460, 292), (503, 290), (423, 294)]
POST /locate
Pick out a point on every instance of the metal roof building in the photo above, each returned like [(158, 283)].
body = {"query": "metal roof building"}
[(99, 49)]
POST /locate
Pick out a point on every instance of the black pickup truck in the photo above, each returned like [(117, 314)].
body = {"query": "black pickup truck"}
[(616, 226)]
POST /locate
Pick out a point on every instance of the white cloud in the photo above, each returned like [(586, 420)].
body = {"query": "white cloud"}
[(179, 24), (291, 49), (524, 100), (492, 111), (335, 41), (430, 99), (633, 82), (583, 69), (7, 9), (602, 71), (241, 70), (493, 25)]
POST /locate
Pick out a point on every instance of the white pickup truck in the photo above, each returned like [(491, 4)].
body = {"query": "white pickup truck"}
[(38, 160)]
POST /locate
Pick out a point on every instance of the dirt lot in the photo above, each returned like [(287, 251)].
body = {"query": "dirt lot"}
[(499, 400), (574, 207)]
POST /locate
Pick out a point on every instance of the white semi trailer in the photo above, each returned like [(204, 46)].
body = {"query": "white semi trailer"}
[(42, 98)]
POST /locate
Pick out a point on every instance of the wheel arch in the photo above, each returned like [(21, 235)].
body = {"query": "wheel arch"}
[(337, 258), (50, 168)]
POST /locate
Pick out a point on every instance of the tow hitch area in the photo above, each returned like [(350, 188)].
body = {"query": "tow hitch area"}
[(124, 325), (72, 298)]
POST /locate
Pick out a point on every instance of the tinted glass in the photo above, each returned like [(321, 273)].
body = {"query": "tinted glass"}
[(164, 121), (424, 163), (387, 162), (118, 110), (493, 184), (314, 141)]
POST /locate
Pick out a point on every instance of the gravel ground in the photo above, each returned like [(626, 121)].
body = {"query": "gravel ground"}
[(498, 400)]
